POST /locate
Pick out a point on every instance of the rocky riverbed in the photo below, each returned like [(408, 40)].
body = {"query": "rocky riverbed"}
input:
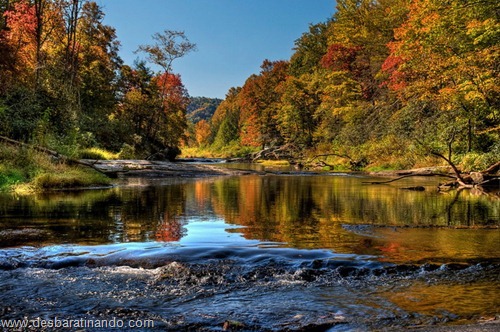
[(161, 169)]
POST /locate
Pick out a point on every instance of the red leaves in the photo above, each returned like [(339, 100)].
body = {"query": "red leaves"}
[(21, 34), (340, 57), (171, 89), (22, 19), (397, 78)]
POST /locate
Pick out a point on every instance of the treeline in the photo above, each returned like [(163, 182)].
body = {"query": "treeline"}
[(201, 108), (63, 85), (388, 81)]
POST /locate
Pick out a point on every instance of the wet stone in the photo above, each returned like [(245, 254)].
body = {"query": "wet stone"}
[(346, 271), (309, 275), (456, 266), (428, 267)]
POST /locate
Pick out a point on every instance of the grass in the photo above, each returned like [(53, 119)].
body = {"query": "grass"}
[(24, 170), (75, 177), (98, 154), (10, 177)]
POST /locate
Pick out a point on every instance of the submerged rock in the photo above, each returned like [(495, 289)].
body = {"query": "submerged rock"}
[(417, 188)]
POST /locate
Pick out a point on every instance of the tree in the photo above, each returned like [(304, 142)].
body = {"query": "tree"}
[(260, 98), (99, 63), (225, 122), (202, 132), (299, 100), (169, 46), (446, 54), (309, 49), (19, 39), (152, 110)]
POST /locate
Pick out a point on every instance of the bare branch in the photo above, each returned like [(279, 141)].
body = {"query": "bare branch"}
[(169, 46)]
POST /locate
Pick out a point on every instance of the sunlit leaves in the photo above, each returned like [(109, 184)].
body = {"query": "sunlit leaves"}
[(202, 132), (447, 52), (21, 38), (300, 99)]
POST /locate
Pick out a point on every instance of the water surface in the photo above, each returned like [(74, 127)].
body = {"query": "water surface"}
[(275, 252)]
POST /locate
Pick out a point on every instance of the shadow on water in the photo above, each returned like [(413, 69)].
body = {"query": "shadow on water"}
[(253, 253)]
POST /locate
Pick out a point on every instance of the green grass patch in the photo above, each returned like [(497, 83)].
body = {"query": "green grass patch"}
[(69, 179), (97, 154), (25, 170)]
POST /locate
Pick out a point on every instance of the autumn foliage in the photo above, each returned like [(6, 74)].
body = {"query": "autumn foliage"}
[(387, 81), (63, 83)]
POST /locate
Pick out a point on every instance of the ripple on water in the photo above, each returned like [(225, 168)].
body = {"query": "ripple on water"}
[(259, 288)]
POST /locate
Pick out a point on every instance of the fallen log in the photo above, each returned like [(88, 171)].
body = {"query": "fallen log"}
[(56, 155), (409, 175), (282, 152), (354, 164), (493, 169), (486, 180)]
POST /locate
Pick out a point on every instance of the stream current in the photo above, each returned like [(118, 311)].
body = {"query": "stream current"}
[(252, 253)]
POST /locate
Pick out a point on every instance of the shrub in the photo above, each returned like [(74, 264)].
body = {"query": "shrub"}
[(127, 152), (10, 177)]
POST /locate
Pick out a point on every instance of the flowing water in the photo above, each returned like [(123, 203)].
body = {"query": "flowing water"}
[(275, 252)]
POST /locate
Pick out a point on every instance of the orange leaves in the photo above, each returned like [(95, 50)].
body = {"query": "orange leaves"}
[(258, 99), (250, 135), (202, 132), (397, 78), (21, 37), (21, 20)]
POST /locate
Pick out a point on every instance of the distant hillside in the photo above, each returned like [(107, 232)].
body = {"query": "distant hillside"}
[(202, 108)]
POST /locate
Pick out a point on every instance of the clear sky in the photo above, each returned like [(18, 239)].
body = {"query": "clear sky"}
[(233, 37)]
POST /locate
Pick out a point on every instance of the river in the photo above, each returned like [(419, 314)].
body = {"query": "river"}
[(257, 253)]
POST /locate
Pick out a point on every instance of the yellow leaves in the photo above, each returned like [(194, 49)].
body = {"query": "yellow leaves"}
[(472, 96), (341, 94), (485, 32), (429, 21)]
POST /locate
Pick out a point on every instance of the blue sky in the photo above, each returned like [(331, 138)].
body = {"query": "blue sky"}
[(233, 37)]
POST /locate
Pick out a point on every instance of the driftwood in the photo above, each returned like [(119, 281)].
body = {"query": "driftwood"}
[(354, 164), (409, 175), (487, 179), (56, 155), (493, 169), (282, 152)]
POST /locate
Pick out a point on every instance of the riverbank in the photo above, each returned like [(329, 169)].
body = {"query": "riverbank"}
[(27, 170)]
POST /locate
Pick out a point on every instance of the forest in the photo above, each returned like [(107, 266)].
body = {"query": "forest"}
[(381, 84), (388, 84)]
